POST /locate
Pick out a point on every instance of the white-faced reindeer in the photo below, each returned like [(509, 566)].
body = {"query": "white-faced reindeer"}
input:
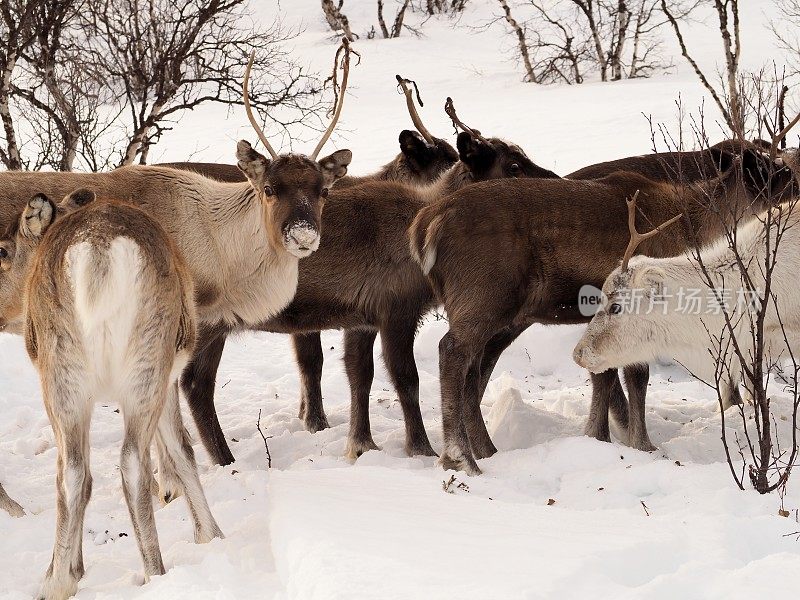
[(108, 315), (646, 315)]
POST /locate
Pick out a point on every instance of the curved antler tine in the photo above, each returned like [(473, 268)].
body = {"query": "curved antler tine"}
[(412, 109), (345, 73), (249, 109), (636, 237), (776, 139), (450, 110)]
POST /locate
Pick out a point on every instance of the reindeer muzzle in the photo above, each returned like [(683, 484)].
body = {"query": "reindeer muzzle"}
[(301, 238)]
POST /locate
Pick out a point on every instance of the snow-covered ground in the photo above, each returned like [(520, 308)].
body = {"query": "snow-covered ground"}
[(622, 524)]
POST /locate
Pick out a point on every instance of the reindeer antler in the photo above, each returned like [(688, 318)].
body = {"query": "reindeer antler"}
[(338, 92), (776, 139), (249, 109), (636, 237), (457, 123), (412, 109)]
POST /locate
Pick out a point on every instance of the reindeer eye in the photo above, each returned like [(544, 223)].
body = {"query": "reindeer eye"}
[(269, 191), (514, 168), (615, 308), (324, 192), (3, 253)]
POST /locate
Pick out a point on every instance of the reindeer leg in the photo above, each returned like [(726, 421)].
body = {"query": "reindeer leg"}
[(141, 405), (618, 402), (397, 340), (360, 368), (455, 357), (173, 440), (731, 396), (197, 382), (603, 385), (9, 505), (636, 378), (479, 438), (308, 353), (70, 414)]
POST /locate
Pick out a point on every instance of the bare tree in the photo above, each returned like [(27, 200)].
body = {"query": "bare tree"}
[(336, 19), (61, 91), (562, 40), (16, 33), (744, 350), (397, 24), (433, 7), (727, 99), (623, 19), (168, 56), (645, 57), (521, 41), (785, 29)]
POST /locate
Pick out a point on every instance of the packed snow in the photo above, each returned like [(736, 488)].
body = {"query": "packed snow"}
[(555, 514)]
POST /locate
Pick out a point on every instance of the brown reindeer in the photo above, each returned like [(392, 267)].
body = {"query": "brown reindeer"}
[(379, 290), (521, 259), (108, 315)]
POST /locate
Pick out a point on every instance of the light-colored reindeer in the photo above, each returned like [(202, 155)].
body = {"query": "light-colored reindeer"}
[(108, 315), (646, 314)]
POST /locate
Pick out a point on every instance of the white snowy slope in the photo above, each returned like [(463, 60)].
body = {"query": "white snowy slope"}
[(623, 524)]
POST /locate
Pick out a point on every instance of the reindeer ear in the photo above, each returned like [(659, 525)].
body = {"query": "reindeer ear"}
[(76, 200), (763, 145), (474, 153), (39, 214), (648, 277), (7, 253), (334, 166), (253, 164), (723, 160), (763, 176), (414, 148)]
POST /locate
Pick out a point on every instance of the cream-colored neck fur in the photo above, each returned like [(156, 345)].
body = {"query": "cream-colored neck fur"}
[(232, 254)]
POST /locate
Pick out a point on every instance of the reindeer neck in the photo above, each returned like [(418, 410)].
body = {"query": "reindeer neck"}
[(253, 280), (449, 182), (233, 204)]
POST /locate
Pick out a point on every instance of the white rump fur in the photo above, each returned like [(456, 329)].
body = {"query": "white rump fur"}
[(107, 299), (429, 248), (643, 336)]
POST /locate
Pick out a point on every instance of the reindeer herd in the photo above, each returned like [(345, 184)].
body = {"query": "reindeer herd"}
[(126, 284)]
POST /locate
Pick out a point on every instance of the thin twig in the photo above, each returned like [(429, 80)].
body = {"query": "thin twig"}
[(265, 438)]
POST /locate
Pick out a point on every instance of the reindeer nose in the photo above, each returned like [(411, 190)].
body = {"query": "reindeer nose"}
[(302, 237), (581, 354)]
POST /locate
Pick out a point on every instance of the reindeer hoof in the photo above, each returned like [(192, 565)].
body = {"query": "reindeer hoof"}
[(598, 433), (483, 448), (356, 448), (420, 448), (315, 423), (456, 460), (54, 588), (169, 487), (645, 445)]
